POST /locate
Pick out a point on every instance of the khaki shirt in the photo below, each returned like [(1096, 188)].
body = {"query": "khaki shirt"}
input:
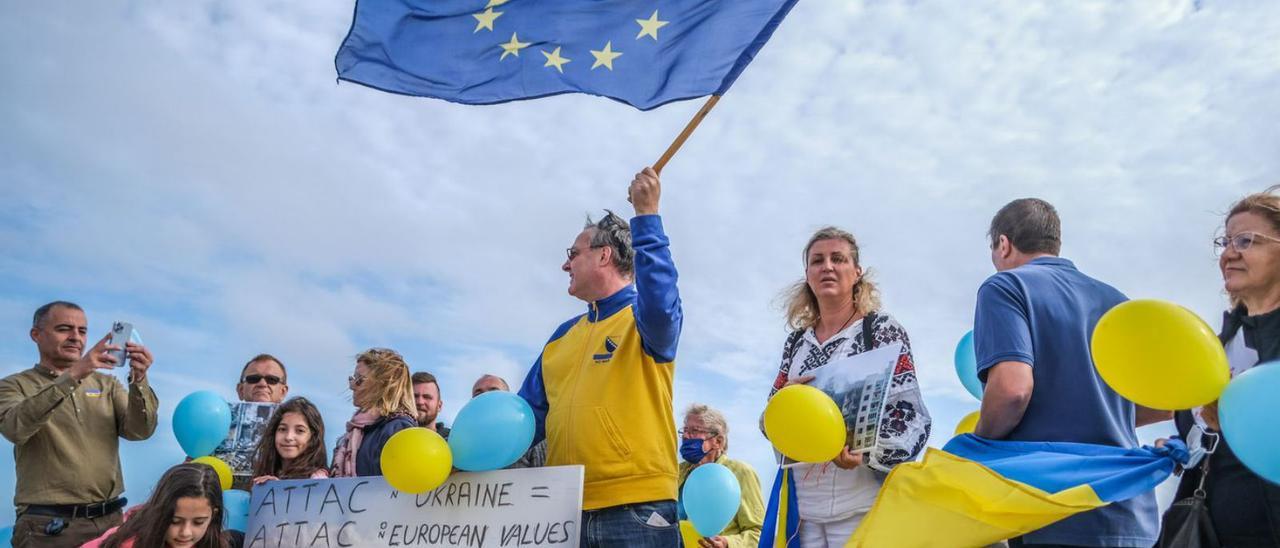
[(66, 435)]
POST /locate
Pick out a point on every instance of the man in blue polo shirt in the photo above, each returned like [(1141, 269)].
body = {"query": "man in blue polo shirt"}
[(1032, 326)]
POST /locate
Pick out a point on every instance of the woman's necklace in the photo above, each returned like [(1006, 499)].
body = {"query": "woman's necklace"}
[(846, 324)]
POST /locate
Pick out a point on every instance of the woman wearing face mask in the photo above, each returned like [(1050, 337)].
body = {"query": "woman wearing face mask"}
[(704, 440), (184, 511), (835, 314), (293, 444)]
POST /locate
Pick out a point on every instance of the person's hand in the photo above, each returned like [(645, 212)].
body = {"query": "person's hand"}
[(98, 357), (1210, 415), (644, 192), (713, 542), (139, 360), (847, 460), (802, 379), (263, 479)]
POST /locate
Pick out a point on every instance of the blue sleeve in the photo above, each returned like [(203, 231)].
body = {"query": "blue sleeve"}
[(1001, 327), (384, 435), (534, 391), (658, 312)]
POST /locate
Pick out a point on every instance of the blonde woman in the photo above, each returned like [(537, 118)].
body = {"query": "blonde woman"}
[(835, 313), (383, 398)]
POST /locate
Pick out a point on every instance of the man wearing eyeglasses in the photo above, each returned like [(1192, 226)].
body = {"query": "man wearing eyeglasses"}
[(601, 388)]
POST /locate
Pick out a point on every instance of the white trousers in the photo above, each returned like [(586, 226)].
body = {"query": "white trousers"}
[(833, 534)]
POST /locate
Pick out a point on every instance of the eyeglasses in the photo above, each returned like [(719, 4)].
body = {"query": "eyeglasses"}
[(271, 379), (355, 380), (573, 252), (1241, 241), (696, 431)]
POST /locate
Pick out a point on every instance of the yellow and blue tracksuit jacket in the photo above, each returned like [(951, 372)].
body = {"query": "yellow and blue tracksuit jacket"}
[(601, 389)]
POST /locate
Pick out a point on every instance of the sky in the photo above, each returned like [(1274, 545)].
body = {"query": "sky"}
[(196, 169)]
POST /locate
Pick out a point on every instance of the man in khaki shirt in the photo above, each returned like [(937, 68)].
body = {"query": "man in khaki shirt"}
[(65, 420)]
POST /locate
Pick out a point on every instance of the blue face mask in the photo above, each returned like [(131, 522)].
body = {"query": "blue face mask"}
[(692, 451)]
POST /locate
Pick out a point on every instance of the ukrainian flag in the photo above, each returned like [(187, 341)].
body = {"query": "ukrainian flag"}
[(975, 492)]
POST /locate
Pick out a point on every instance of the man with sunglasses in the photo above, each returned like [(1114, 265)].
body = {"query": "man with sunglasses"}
[(262, 386), (263, 380)]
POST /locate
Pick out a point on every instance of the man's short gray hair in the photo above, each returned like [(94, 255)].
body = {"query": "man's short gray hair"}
[(38, 318), (613, 232), (715, 421)]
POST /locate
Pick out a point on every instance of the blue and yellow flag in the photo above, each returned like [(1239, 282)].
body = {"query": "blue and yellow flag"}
[(642, 52), (976, 492), (781, 522)]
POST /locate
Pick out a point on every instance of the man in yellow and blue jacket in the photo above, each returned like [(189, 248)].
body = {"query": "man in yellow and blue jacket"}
[(601, 389)]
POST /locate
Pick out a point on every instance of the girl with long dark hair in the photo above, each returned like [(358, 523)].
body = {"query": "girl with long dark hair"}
[(292, 446), (184, 511)]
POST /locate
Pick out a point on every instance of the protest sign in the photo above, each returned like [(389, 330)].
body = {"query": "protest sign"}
[(504, 508)]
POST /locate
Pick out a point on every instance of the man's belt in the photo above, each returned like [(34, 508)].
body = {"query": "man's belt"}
[(73, 511)]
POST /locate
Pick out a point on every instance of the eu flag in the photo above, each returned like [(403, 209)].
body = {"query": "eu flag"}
[(645, 53)]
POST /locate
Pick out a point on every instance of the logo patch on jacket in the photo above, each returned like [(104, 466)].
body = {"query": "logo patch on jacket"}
[(93, 392), (609, 347)]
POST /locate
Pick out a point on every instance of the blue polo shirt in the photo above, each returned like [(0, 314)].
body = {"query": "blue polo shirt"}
[(1043, 314)]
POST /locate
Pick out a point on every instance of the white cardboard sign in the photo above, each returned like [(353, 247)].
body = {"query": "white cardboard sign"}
[(529, 507)]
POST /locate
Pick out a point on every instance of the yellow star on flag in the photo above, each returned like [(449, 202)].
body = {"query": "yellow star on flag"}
[(513, 47), (555, 60), (605, 56), (485, 20), (494, 3), (650, 26)]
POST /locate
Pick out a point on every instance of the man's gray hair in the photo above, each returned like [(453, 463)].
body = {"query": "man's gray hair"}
[(714, 420), (43, 312), (613, 232)]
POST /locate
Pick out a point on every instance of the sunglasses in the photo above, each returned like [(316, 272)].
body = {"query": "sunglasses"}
[(271, 379)]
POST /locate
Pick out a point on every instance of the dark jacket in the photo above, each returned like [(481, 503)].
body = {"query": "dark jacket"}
[(369, 456), (1245, 508)]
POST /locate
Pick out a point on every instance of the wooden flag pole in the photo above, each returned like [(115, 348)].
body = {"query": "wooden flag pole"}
[(684, 135)]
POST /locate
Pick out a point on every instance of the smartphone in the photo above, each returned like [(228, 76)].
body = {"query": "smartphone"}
[(121, 333)]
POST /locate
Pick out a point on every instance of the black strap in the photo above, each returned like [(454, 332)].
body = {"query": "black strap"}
[(868, 325)]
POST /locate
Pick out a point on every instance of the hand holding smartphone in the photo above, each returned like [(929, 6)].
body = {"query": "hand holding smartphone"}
[(121, 334)]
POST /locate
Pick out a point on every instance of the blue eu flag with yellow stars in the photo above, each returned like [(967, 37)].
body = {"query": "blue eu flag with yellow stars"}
[(645, 53)]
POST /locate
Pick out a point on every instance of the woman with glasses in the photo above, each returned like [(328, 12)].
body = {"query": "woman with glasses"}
[(383, 397), (1245, 509), (835, 313), (703, 440)]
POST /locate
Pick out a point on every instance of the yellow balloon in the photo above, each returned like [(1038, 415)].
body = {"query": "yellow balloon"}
[(416, 460), (804, 423), (224, 471), (967, 424), (1159, 355), (689, 534)]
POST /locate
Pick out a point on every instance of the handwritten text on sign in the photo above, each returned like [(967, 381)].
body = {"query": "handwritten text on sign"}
[(504, 508)]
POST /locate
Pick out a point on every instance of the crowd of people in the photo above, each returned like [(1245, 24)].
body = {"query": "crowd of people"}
[(601, 390)]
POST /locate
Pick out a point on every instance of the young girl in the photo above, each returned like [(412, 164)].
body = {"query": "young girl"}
[(294, 445), (184, 511)]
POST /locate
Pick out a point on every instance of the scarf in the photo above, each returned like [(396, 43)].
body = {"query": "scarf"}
[(344, 455)]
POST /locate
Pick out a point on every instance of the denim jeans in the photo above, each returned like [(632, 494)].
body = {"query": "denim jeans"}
[(630, 525)]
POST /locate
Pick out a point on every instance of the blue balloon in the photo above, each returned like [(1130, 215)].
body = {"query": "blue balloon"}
[(492, 431), (967, 366), (201, 421), (1247, 413), (235, 509), (711, 498), (6, 536)]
